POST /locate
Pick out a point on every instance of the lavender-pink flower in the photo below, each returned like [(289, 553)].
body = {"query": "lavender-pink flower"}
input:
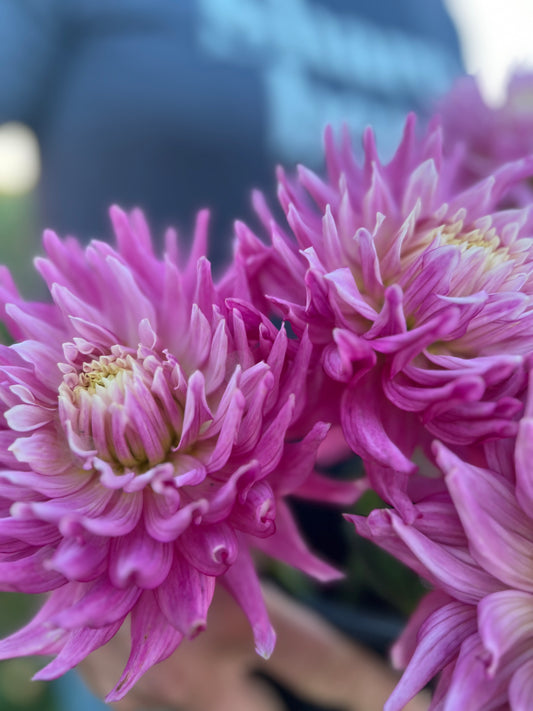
[(473, 544), (151, 437), (416, 295), (488, 136)]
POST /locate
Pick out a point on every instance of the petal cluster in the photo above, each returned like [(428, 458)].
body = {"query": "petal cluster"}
[(416, 295), (471, 539), (486, 136), (152, 432)]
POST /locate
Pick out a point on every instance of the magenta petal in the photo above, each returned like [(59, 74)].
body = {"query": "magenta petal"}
[(450, 567), (405, 646), (33, 326), (102, 605), (346, 288), (164, 527), (499, 533), (41, 451), (255, 512), (297, 461), (72, 305), (185, 596), (81, 558), (505, 621), (152, 641), (524, 463), (237, 485), (79, 644), (242, 582), (126, 322), (270, 447), (470, 685), (348, 358), (439, 641), (228, 433), (196, 410), (120, 520), (392, 485), (30, 574), (362, 422), (139, 560), (209, 548), (521, 688)]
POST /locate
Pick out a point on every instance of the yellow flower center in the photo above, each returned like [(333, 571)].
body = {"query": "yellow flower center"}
[(123, 408), (100, 373), (478, 239)]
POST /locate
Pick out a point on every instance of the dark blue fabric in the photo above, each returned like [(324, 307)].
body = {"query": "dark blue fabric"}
[(174, 104)]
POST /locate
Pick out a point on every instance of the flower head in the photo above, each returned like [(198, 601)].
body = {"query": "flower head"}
[(151, 436), (489, 136), (416, 295), (473, 543)]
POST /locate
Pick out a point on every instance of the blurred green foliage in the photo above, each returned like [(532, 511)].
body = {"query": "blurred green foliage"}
[(17, 691), (19, 239), (18, 245), (374, 573)]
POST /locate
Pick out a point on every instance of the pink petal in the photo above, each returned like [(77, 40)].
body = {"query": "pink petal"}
[(185, 596), (137, 559), (242, 582), (209, 548), (102, 605), (78, 645), (521, 687), (505, 621), (439, 642)]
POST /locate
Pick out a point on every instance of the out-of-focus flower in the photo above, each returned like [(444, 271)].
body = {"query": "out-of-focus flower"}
[(473, 544), (151, 437), (417, 296), (487, 137)]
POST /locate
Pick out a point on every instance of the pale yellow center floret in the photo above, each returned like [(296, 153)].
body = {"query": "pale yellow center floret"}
[(124, 409), (99, 374), (487, 240)]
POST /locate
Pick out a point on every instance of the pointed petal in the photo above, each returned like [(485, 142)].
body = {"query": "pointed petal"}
[(439, 642), (185, 596), (242, 582), (152, 641)]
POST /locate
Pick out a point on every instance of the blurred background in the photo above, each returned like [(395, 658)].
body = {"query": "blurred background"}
[(174, 105)]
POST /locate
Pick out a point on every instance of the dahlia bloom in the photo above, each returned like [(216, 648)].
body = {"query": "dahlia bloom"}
[(489, 136), (418, 297), (151, 437), (473, 544)]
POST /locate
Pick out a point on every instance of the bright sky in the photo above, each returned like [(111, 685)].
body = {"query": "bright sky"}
[(497, 37)]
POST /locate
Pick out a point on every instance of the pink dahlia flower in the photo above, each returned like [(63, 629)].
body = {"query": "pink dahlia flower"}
[(489, 136), (418, 297), (473, 544), (152, 435)]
